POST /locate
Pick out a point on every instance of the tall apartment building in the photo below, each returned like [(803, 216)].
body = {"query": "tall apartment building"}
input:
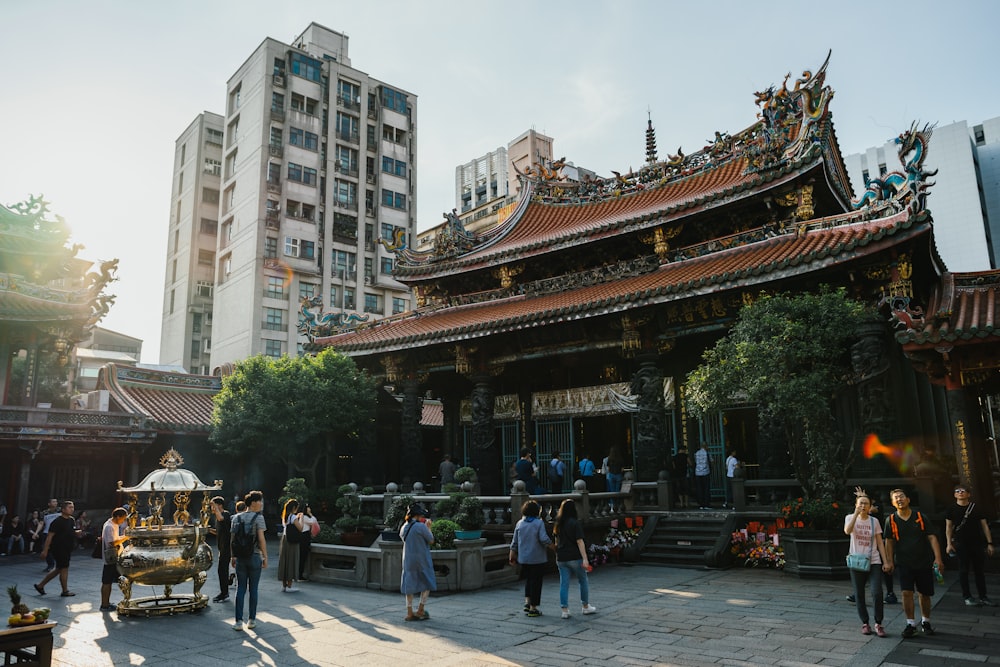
[(529, 148), (318, 163), (186, 329), (965, 198), (481, 180)]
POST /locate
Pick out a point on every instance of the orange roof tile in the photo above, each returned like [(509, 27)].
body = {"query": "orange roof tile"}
[(962, 307), (744, 265), (172, 401)]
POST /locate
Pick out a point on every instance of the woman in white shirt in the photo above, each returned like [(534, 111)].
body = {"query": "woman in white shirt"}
[(863, 528)]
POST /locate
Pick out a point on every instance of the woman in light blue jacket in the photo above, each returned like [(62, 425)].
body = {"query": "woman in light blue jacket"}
[(529, 549)]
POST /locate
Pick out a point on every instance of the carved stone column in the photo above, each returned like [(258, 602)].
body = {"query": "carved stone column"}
[(411, 454), (485, 452), (649, 443)]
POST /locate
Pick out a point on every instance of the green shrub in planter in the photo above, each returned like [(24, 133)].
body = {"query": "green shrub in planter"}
[(443, 531), (465, 474), (295, 488), (470, 513), (396, 513), (327, 535), (447, 508)]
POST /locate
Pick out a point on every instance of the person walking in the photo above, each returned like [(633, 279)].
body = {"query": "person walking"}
[(866, 538), (587, 470), (703, 477), (305, 545), (112, 537), (571, 557), (557, 471), (223, 523), (51, 513), (968, 536), (731, 464), (248, 567), (528, 549), (60, 542), (446, 471), (288, 549), (911, 546), (33, 531), (680, 470), (418, 568)]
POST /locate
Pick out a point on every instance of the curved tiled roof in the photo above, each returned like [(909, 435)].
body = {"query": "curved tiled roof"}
[(829, 243), (172, 401), (962, 307), (544, 227)]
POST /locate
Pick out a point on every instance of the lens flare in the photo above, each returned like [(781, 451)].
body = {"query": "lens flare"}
[(901, 455)]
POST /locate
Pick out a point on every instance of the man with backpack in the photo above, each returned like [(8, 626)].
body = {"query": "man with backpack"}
[(912, 547), (557, 470), (249, 556)]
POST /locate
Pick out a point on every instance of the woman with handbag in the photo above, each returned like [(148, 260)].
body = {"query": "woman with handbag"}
[(865, 560), (288, 549), (310, 529)]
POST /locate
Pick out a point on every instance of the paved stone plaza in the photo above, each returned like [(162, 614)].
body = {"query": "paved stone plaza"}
[(646, 616)]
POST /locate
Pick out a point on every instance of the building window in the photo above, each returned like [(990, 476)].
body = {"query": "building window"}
[(204, 289), (349, 93), (394, 199), (213, 136), (273, 319), (395, 167), (291, 247), (307, 290), (333, 297), (196, 323), (345, 193), (277, 102), (349, 298), (309, 176), (213, 167), (346, 159), (398, 305), (306, 105), (393, 134), (273, 348), (344, 263), (270, 247), (209, 226), (393, 99), (206, 257), (307, 249), (296, 137), (373, 303), (347, 127), (275, 287), (294, 172), (279, 66), (386, 265), (210, 195), (306, 67)]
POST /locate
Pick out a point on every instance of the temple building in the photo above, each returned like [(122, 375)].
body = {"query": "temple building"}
[(571, 325)]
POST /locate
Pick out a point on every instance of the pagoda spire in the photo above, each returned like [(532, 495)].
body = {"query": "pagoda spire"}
[(650, 140)]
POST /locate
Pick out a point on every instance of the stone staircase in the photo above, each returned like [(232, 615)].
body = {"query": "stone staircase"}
[(681, 539)]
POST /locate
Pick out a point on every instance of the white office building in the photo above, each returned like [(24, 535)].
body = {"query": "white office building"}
[(965, 200), (318, 163)]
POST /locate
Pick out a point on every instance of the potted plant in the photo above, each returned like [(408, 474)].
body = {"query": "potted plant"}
[(394, 517), (443, 531), (466, 476), (469, 518), (791, 355), (352, 523)]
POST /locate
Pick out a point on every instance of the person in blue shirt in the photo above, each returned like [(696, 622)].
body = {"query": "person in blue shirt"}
[(529, 549)]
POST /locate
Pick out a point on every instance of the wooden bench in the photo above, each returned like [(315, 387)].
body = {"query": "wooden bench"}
[(27, 645)]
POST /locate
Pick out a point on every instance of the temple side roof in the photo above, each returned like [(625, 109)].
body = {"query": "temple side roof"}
[(961, 307), (822, 243), (172, 401)]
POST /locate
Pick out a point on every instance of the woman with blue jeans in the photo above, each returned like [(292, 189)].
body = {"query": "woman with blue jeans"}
[(248, 568), (571, 557), (866, 538)]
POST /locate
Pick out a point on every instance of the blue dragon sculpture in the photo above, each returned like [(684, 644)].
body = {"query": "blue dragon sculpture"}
[(911, 184), (318, 324)]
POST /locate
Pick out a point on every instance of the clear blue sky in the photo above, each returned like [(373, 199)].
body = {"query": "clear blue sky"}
[(96, 92)]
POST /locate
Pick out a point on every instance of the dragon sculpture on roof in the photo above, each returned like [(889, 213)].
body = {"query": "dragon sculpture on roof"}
[(909, 186), (316, 324)]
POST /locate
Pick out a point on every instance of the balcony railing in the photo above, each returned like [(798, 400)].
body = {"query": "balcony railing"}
[(348, 103), (348, 205), (346, 170), (350, 137)]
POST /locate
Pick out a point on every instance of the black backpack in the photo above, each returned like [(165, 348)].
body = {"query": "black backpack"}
[(244, 536)]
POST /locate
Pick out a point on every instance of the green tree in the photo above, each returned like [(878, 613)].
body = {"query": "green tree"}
[(790, 355), (291, 409)]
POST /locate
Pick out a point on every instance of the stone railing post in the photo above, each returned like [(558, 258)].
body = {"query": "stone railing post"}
[(391, 565), (518, 496), (583, 502), (471, 572), (739, 494)]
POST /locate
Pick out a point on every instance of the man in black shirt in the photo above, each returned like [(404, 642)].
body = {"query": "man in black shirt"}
[(61, 540), (223, 522), (969, 537)]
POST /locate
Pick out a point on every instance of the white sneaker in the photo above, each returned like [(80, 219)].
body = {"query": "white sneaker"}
[(565, 613), (237, 626), (291, 589), (589, 609), (252, 624)]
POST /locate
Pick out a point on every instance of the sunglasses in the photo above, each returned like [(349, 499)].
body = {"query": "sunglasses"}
[(961, 491)]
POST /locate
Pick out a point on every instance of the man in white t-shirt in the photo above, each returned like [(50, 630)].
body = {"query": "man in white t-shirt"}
[(731, 464)]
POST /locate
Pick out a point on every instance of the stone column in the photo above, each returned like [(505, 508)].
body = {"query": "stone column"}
[(969, 441), (485, 453), (411, 462), (392, 565), (469, 554), (648, 444)]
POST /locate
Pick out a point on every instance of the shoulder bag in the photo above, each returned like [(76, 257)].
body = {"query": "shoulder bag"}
[(863, 562)]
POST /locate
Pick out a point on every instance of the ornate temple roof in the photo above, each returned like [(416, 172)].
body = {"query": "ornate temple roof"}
[(819, 244), (963, 307), (172, 401)]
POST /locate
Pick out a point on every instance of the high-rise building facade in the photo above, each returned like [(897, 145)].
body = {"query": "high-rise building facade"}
[(318, 163), (481, 180), (965, 198), (186, 328)]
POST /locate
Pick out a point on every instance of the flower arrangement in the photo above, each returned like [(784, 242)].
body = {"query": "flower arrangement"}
[(813, 513), (756, 546), (617, 540), (620, 538), (598, 554)]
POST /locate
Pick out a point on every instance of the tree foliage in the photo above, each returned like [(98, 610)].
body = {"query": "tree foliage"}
[(790, 355), (291, 409)]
